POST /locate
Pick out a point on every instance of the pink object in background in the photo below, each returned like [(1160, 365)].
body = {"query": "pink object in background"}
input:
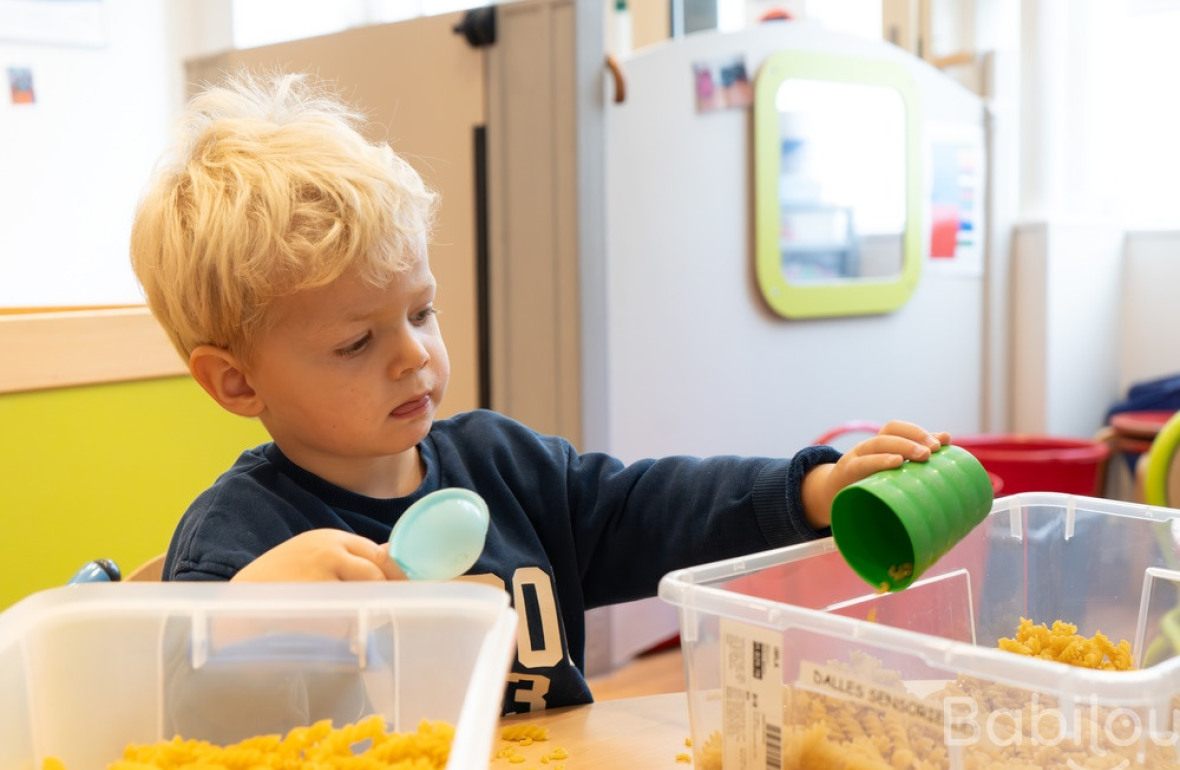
[(944, 230)]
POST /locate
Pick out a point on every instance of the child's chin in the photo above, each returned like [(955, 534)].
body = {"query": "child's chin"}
[(410, 432)]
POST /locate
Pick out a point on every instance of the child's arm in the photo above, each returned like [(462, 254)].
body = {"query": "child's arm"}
[(322, 554), (897, 442)]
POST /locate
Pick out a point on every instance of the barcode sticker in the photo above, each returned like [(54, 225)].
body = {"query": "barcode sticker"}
[(752, 686)]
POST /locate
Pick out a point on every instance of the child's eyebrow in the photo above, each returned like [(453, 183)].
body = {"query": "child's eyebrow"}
[(359, 315), (364, 314)]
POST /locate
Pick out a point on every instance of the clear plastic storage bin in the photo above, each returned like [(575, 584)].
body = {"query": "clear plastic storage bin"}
[(87, 669), (793, 661)]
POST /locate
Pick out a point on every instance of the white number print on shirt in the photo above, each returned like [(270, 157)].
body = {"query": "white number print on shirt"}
[(532, 595)]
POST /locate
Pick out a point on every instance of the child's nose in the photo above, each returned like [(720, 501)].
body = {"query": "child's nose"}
[(411, 356)]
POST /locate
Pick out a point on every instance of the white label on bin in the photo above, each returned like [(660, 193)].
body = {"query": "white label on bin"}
[(752, 683), (834, 682)]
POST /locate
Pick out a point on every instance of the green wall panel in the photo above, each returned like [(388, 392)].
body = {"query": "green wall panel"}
[(104, 472)]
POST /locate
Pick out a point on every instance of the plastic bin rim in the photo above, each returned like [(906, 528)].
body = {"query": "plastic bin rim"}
[(1129, 688), (1034, 448), (740, 565), (683, 589), (264, 598)]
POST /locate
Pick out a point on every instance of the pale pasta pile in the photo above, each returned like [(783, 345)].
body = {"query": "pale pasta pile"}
[(1063, 643), (827, 733), (364, 745), (1020, 740), (821, 731)]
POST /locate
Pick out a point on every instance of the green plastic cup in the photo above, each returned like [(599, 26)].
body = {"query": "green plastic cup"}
[(892, 526)]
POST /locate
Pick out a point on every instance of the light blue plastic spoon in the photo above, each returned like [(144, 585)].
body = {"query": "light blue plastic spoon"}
[(440, 536)]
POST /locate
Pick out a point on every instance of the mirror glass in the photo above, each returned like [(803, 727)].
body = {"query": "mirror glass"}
[(841, 182), (837, 173)]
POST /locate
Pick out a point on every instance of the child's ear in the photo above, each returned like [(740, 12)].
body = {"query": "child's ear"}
[(222, 376)]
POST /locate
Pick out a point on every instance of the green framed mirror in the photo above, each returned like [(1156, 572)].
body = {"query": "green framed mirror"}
[(837, 176)]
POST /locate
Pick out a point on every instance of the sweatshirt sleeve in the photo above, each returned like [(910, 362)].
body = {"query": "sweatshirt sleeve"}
[(634, 523)]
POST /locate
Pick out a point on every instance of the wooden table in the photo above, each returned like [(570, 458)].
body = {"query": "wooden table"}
[(632, 733)]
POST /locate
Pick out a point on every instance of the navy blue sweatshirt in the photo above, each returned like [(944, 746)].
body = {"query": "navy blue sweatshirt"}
[(568, 532)]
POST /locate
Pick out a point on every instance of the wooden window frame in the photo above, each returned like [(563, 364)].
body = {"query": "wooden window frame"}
[(41, 349)]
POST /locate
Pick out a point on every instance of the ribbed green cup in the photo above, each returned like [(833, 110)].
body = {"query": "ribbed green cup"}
[(892, 526)]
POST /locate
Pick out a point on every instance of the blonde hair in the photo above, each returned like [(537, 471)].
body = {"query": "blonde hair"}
[(270, 190)]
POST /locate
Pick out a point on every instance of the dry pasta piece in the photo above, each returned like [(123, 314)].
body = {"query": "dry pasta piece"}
[(525, 730), (684, 758), (508, 749), (711, 752)]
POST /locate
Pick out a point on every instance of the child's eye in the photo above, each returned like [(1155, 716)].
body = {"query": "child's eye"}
[(353, 348), (423, 315)]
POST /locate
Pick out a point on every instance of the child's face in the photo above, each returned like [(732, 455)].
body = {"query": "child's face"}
[(350, 371)]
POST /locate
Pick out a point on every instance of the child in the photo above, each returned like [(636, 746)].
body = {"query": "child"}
[(286, 258)]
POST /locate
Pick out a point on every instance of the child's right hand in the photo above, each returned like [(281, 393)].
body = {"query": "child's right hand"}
[(322, 554)]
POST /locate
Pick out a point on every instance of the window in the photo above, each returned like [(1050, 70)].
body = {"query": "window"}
[(1144, 117), (263, 22)]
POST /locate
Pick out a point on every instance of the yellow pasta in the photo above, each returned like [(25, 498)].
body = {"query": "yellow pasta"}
[(361, 746), (1064, 644), (711, 751), (512, 755), (522, 735), (525, 730)]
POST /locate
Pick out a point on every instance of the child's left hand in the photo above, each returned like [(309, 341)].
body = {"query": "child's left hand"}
[(897, 442)]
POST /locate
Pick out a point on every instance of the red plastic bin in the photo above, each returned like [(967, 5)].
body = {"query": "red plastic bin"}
[(1040, 463), (1021, 463)]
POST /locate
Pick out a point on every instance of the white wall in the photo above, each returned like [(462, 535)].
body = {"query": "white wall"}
[(1149, 329), (697, 363), (1067, 296), (1000, 74), (73, 164), (1090, 308)]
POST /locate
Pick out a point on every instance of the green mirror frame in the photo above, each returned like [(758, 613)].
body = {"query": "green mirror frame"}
[(848, 296)]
